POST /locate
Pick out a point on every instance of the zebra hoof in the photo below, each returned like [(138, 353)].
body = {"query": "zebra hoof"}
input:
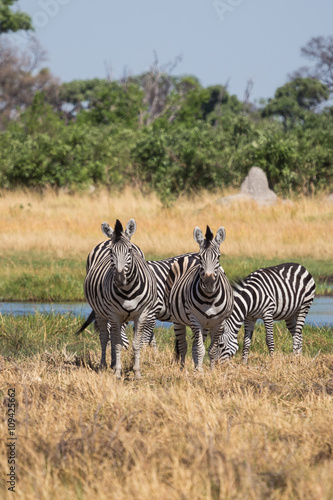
[(137, 374), (117, 374)]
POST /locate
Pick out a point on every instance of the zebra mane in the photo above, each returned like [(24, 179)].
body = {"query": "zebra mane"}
[(238, 283), (118, 229), (209, 235)]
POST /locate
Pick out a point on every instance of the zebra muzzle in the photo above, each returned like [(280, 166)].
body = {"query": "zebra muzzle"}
[(209, 283), (120, 278)]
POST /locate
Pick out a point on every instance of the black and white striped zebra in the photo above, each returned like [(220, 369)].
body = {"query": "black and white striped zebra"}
[(200, 296), (120, 287), (282, 292), (102, 251)]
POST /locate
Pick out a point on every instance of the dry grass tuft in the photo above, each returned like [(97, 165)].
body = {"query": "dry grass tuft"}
[(258, 431), (70, 225)]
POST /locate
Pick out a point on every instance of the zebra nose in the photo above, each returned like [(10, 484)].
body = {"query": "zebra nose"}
[(120, 277), (209, 282)]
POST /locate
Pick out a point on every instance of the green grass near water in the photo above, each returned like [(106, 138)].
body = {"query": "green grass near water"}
[(26, 336), (45, 278)]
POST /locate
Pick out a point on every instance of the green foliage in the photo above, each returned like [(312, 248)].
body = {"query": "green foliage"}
[(295, 99), (13, 21), (168, 134), (40, 118), (76, 156), (99, 101), (182, 159)]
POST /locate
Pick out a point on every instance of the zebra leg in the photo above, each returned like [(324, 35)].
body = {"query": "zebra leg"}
[(124, 340), (139, 326), (116, 344), (102, 328), (268, 322), (148, 336), (295, 324), (213, 348), (248, 332), (180, 343), (198, 347)]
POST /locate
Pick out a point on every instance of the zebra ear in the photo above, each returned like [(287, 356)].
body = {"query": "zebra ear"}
[(130, 228), (220, 235), (107, 230), (198, 236)]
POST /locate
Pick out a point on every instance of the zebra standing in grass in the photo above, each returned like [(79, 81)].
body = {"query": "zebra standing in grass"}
[(285, 291), (100, 252), (200, 296), (120, 287)]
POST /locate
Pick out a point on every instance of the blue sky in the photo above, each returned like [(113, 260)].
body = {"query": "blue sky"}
[(219, 40)]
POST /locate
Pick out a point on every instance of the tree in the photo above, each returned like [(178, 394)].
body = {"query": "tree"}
[(293, 100), (320, 50), (13, 21), (21, 77)]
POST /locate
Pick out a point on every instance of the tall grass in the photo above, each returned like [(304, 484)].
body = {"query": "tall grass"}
[(259, 431), (70, 225)]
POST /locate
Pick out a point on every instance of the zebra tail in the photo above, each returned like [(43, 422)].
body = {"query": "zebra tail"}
[(88, 321)]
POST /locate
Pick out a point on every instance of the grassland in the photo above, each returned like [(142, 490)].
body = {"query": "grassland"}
[(261, 431)]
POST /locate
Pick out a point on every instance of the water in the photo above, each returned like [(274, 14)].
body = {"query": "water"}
[(320, 314)]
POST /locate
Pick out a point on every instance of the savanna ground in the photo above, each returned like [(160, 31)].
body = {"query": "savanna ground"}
[(259, 431)]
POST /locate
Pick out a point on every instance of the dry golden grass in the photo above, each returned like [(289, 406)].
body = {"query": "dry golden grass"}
[(256, 432), (70, 225)]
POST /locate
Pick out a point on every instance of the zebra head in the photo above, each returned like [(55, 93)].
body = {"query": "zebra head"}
[(121, 250), (209, 255)]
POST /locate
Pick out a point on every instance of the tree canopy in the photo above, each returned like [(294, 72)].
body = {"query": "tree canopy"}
[(295, 99), (12, 21), (157, 131)]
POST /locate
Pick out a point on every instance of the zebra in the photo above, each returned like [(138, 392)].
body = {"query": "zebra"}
[(119, 287), (200, 296), (281, 292), (102, 251)]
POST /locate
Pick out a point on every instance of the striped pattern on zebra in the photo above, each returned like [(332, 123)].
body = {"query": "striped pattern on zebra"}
[(120, 287), (200, 296), (282, 292)]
